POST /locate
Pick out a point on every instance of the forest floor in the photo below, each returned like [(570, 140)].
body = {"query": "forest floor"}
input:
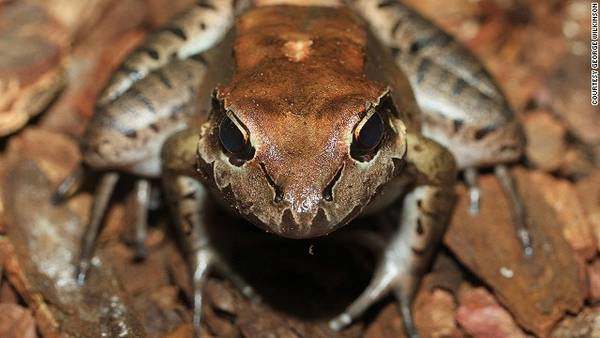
[(56, 56)]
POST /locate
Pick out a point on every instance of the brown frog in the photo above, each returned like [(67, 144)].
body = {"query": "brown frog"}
[(301, 119)]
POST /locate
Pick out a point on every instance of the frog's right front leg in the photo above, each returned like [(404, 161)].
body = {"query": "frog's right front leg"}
[(424, 213), (189, 202), (151, 96), (127, 134)]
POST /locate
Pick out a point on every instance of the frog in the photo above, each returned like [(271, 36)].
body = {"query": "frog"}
[(301, 117)]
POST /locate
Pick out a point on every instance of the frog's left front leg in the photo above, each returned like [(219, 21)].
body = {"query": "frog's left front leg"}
[(425, 210)]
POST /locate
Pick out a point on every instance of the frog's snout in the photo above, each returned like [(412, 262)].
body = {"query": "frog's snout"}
[(305, 223), (302, 203), (300, 216), (304, 210)]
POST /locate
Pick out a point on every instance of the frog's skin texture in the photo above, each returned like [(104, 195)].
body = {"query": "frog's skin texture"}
[(297, 85)]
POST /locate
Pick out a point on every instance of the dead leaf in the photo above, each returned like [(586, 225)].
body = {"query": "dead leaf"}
[(16, 322), (537, 290), (482, 317)]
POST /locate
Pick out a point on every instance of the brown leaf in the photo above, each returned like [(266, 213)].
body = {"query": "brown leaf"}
[(567, 93), (593, 273), (184, 331), (536, 290), (387, 324), (31, 73), (46, 239), (562, 196), (34, 144), (482, 317), (16, 322), (15, 275), (585, 324), (588, 191), (434, 314), (161, 11), (7, 292), (577, 162), (78, 17), (546, 144)]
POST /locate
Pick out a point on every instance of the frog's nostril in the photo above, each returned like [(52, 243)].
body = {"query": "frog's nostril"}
[(278, 197), (328, 191)]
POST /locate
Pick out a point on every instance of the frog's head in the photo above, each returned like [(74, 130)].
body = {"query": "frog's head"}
[(301, 173), (301, 142)]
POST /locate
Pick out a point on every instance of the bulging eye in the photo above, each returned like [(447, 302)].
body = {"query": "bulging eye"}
[(234, 140), (371, 133), (367, 138)]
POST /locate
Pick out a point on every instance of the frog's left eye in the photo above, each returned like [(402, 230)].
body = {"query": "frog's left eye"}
[(234, 140), (367, 138)]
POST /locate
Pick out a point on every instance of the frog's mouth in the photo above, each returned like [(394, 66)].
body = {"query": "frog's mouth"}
[(290, 228), (298, 210)]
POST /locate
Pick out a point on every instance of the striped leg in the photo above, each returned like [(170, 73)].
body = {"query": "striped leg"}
[(151, 96), (99, 206), (519, 214), (463, 107), (138, 205), (194, 31)]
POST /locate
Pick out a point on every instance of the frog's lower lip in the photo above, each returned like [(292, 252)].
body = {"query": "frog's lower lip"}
[(291, 233), (293, 230)]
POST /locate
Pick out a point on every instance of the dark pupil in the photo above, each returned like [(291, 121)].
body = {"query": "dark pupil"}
[(231, 136), (371, 133)]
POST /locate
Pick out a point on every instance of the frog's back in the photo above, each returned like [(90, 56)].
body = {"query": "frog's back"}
[(305, 61)]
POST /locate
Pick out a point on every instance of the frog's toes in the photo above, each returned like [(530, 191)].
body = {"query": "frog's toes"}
[(387, 279), (69, 185), (240, 283), (471, 180), (377, 289), (139, 204), (474, 197), (202, 262), (517, 208), (101, 199)]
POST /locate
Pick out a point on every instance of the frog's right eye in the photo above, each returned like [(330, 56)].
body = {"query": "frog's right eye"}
[(235, 140)]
